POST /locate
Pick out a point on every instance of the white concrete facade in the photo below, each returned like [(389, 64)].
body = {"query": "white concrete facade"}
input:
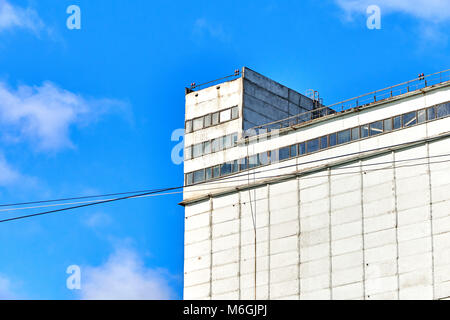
[(368, 219)]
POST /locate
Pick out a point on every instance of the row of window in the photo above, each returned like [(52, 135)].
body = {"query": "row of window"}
[(212, 119), (211, 146), (317, 144)]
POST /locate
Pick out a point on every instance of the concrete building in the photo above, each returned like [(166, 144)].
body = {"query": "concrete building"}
[(289, 199)]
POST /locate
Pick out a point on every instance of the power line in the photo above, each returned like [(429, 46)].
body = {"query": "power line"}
[(225, 178), (159, 192)]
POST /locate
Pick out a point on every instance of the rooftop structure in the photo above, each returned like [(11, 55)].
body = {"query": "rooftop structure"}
[(288, 198)]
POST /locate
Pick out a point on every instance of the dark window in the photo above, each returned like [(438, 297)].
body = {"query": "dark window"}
[(243, 164), (387, 124), (332, 139), (431, 113), (397, 122), (208, 173), (364, 131), (264, 158), (234, 112), (312, 145), (234, 138), (198, 124), (216, 171), (189, 180), (188, 153), (284, 153), (421, 116), (301, 148), (207, 120), (355, 133), (294, 151), (343, 136), (443, 110), (215, 118), (235, 167), (225, 169), (409, 119), (324, 142), (376, 128), (188, 126), (199, 176)]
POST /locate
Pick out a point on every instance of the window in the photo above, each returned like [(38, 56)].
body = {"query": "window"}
[(324, 142), (227, 141), (234, 138), (387, 124), (215, 118), (189, 180), (312, 145), (243, 164), (215, 144), (253, 161), (207, 120), (294, 151), (332, 139), (343, 136), (376, 128), (198, 124), (189, 126), (216, 171), (234, 112), (199, 176), (188, 153), (207, 147), (264, 158), (208, 173), (431, 113), (235, 167), (225, 169), (409, 119), (355, 133), (443, 110), (225, 115), (364, 131), (397, 122), (197, 150), (301, 148), (421, 116), (284, 153)]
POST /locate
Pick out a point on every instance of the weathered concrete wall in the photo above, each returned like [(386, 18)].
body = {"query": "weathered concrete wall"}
[(356, 231), (266, 100)]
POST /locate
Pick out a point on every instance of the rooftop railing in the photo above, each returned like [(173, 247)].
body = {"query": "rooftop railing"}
[(195, 87), (376, 96)]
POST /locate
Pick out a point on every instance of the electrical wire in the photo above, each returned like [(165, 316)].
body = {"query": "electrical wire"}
[(222, 178), (164, 191)]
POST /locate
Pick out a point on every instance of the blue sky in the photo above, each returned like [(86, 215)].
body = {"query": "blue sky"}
[(92, 111)]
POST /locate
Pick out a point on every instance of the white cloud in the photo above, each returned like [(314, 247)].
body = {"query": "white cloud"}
[(98, 220), (124, 277), (6, 291), (16, 17), (203, 27), (44, 114), (431, 10)]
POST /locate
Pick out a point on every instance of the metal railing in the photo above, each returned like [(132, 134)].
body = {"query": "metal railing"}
[(359, 101), (195, 87)]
